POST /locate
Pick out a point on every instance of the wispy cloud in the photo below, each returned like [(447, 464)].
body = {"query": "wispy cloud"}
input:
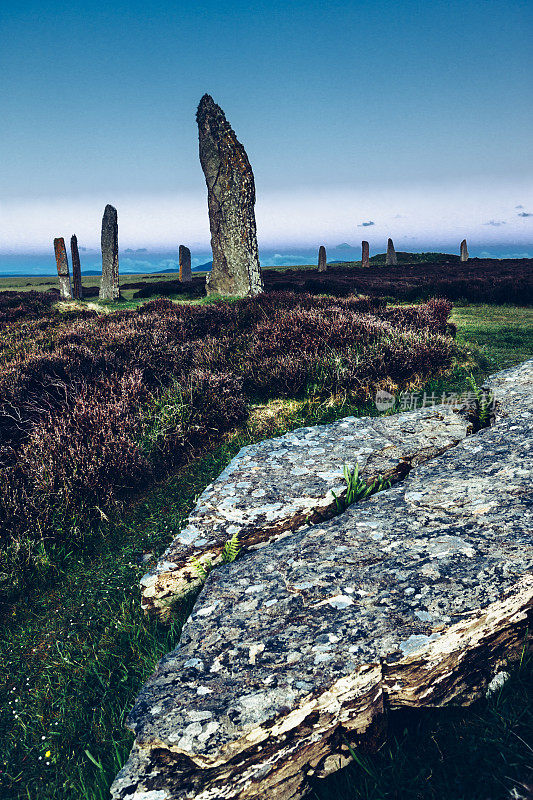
[(494, 223), (366, 224)]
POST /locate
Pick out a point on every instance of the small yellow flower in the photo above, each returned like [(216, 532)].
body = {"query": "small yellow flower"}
[(47, 754)]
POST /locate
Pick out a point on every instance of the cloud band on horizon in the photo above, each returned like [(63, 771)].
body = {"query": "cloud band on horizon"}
[(297, 217)]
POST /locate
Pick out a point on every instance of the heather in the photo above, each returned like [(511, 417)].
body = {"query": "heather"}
[(417, 277), (95, 408), (478, 280)]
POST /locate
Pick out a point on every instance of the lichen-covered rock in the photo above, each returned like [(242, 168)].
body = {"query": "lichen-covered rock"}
[(231, 201), (391, 258), (365, 254), (464, 251), (185, 264), (77, 289), (322, 260), (274, 487), (417, 597), (65, 288), (109, 287)]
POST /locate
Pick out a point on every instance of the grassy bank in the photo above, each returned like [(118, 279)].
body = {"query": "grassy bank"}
[(502, 335), (74, 655)]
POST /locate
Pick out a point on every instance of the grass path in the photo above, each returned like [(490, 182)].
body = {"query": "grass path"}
[(74, 654)]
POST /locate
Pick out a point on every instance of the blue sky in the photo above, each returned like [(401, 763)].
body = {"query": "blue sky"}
[(415, 116)]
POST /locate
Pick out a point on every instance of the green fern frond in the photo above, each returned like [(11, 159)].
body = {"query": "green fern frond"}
[(231, 550), (484, 402), (202, 568)]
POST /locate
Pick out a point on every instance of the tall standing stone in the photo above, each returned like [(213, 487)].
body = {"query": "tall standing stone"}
[(231, 200), (65, 289), (391, 259), (185, 264), (109, 288), (464, 251), (365, 256), (77, 290), (322, 263)]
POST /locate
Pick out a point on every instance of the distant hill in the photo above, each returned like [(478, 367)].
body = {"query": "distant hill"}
[(200, 268)]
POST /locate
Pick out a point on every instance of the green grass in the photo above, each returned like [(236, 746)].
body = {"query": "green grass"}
[(27, 284), (75, 651), (502, 335), (129, 302)]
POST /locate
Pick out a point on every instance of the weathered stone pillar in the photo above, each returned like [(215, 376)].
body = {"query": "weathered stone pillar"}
[(65, 289), (231, 200), (365, 257), (464, 251), (322, 263), (185, 264), (77, 290), (391, 259), (109, 288)]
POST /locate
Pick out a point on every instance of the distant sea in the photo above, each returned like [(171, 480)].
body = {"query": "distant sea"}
[(142, 260)]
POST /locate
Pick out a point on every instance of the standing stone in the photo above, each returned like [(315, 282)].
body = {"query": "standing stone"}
[(65, 289), (365, 258), (322, 263), (77, 290), (185, 264), (109, 289), (231, 200), (464, 251), (391, 259)]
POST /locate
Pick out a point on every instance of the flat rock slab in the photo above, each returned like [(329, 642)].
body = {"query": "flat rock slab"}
[(281, 484), (416, 597)]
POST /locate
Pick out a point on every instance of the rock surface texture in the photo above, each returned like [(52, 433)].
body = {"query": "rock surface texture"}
[(65, 289), (322, 259), (391, 258), (185, 264), (109, 288), (416, 597), (231, 201), (464, 251), (365, 254), (77, 290)]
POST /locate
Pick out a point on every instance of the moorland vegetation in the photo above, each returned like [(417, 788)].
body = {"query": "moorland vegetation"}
[(93, 408)]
